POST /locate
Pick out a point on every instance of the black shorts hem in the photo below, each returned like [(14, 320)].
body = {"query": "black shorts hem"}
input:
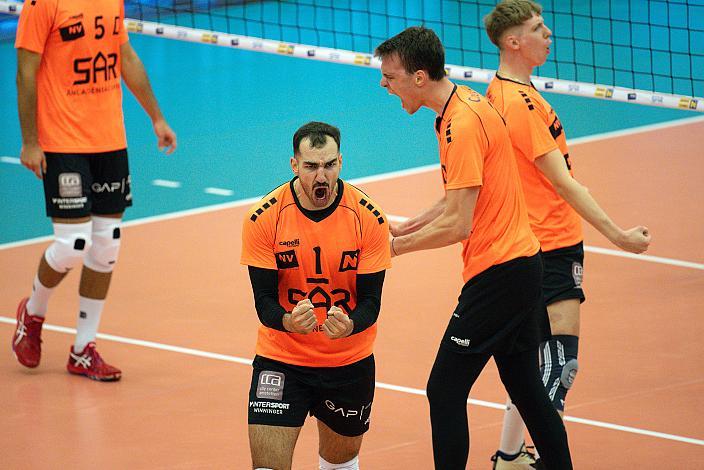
[(563, 274), (333, 427), (567, 295), (278, 425)]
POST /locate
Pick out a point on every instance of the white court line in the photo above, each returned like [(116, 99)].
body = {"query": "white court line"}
[(13, 160), (219, 191), (636, 130), (610, 252), (415, 171), (652, 259), (381, 385), (395, 174), (166, 183)]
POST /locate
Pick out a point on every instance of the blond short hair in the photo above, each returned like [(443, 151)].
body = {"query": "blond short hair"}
[(507, 14)]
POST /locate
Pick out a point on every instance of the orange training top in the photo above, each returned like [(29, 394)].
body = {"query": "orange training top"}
[(79, 95), (475, 150), (536, 130), (319, 260)]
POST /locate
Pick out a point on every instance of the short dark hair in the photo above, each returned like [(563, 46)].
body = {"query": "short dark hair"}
[(419, 48), (317, 133), (507, 14)]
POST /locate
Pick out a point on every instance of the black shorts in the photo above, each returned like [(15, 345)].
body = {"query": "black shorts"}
[(563, 274), (341, 397), (80, 184), (500, 310)]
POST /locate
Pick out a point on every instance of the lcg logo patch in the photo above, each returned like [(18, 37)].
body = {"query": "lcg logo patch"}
[(271, 385), (70, 185), (577, 274)]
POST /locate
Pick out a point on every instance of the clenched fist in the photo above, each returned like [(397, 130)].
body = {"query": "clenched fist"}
[(338, 324), (301, 319)]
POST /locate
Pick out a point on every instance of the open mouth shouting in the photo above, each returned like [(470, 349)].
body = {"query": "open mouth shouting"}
[(321, 194)]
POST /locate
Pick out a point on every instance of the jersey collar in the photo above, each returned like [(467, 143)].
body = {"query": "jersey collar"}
[(322, 214), (506, 79), (438, 119)]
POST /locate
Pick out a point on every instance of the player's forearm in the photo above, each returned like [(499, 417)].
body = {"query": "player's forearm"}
[(445, 230), (366, 312), (586, 206), (422, 219), (136, 79), (27, 106), (264, 287)]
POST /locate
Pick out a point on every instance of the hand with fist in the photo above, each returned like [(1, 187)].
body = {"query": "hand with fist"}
[(301, 319), (338, 324)]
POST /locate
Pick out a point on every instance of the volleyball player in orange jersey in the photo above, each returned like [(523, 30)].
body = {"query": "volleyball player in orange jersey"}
[(555, 201), (71, 55), (500, 312), (317, 250)]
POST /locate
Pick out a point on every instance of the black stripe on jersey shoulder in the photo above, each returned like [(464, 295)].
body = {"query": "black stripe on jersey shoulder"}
[(269, 203), (370, 207), (365, 203), (266, 202)]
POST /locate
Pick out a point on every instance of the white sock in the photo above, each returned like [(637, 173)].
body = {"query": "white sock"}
[(39, 300), (351, 465), (512, 433), (88, 321)]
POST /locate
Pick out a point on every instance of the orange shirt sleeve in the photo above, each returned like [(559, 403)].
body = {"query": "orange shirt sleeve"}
[(529, 132), (35, 24), (464, 161), (258, 239), (375, 254), (124, 37)]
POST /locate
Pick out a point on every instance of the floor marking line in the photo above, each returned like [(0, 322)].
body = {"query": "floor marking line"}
[(219, 191), (381, 385), (13, 160), (166, 183), (611, 252)]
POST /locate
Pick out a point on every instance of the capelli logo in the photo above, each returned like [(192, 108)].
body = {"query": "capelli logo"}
[(460, 341), (290, 243)]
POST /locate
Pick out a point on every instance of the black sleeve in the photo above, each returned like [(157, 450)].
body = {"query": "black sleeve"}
[(265, 285), (368, 300)]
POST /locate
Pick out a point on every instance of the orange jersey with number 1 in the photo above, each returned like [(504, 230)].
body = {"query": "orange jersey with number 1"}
[(536, 130), (79, 95), (319, 260)]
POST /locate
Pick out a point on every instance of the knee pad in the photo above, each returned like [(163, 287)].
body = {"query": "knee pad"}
[(106, 245), (558, 366), (71, 243)]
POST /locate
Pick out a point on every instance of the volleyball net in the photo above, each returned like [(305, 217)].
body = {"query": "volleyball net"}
[(643, 51)]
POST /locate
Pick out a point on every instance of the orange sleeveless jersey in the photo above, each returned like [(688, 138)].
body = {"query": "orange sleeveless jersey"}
[(536, 130), (79, 95), (475, 150), (318, 260)]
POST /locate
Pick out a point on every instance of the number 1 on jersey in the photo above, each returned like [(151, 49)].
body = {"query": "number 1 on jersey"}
[(318, 265)]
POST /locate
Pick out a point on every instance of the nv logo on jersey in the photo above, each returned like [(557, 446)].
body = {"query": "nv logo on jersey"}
[(556, 128), (72, 32), (349, 261), (286, 259)]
